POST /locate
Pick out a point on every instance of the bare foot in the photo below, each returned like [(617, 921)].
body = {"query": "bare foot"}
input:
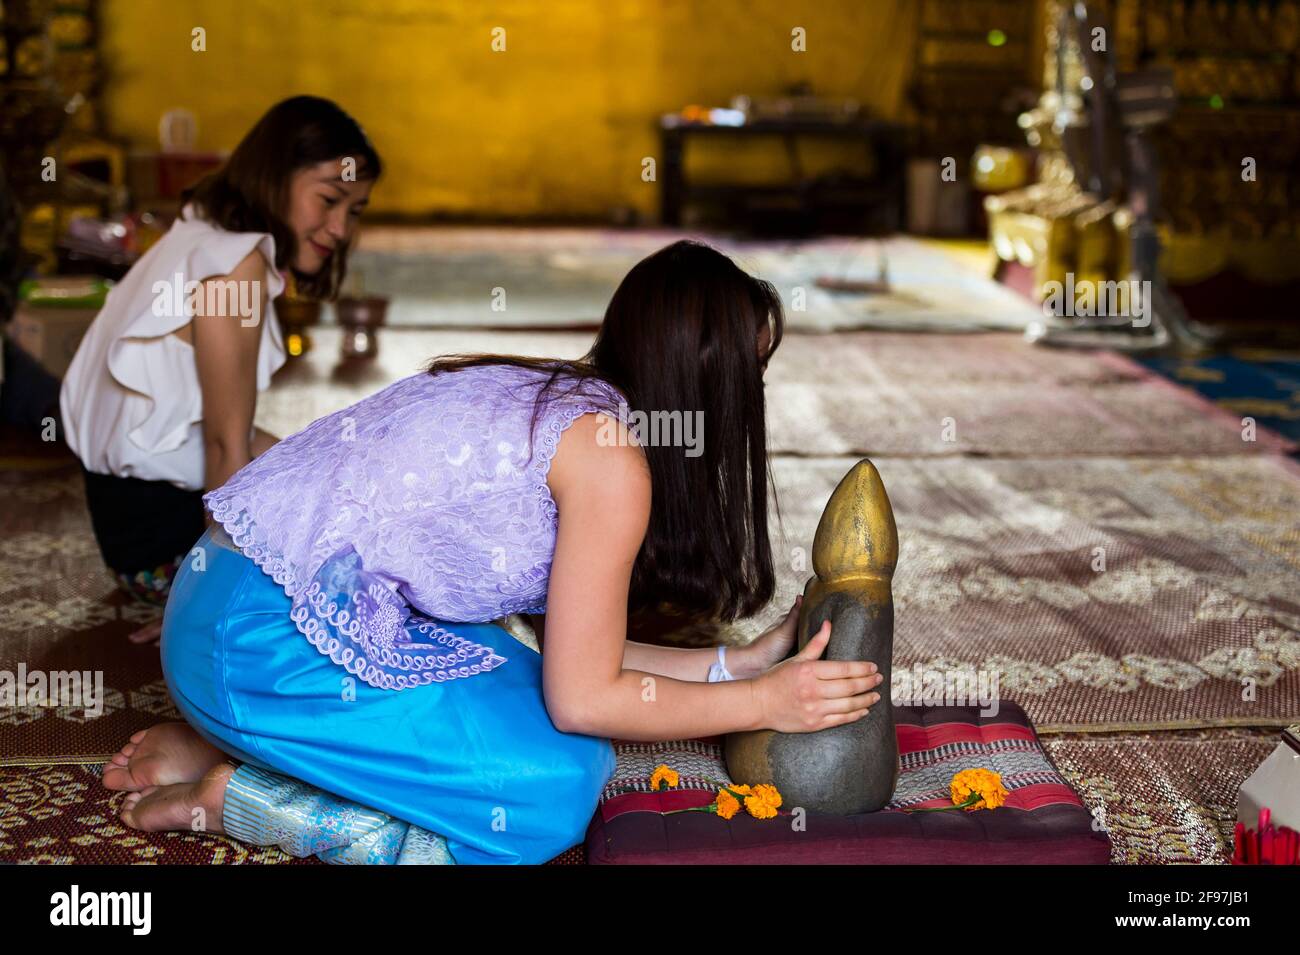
[(189, 807), (162, 755), (150, 633)]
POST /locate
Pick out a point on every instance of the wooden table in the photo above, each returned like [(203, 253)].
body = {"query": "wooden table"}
[(881, 191)]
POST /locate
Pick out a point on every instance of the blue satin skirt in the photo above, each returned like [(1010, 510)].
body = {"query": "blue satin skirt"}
[(475, 760)]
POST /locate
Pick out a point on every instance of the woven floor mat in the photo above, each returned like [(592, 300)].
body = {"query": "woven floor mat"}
[(564, 277), (60, 813), (1164, 797), (1102, 593), (862, 393)]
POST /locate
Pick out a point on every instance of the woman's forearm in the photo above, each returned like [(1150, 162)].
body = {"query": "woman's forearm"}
[(222, 458), (682, 663), (649, 707), (221, 461)]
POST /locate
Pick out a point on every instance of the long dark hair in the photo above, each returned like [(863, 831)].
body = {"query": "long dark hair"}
[(250, 192), (681, 334)]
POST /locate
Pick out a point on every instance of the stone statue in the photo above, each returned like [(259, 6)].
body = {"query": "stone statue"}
[(851, 768)]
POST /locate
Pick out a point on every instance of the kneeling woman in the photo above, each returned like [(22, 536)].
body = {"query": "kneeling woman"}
[(332, 637)]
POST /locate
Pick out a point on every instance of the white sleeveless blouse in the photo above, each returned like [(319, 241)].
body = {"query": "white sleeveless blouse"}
[(130, 402)]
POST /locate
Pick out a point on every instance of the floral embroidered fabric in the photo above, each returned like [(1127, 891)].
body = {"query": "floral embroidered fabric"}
[(424, 503)]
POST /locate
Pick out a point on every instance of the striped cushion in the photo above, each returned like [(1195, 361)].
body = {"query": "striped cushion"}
[(1043, 819)]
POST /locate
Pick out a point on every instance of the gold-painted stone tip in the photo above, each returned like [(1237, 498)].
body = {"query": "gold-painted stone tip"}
[(856, 535)]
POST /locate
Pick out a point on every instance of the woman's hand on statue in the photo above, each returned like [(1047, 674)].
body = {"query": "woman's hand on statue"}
[(769, 649), (805, 694)]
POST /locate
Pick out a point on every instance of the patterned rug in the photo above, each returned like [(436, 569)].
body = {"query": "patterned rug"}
[(558, 278), (843, 411), (883, 394), (60, 813), (1104, 593), (1164, 797), (1263, 384)]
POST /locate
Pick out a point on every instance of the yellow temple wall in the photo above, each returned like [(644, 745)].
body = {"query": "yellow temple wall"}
[(556, 126)]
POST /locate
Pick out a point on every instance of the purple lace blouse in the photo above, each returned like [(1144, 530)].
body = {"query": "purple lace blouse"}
[(417, 502)]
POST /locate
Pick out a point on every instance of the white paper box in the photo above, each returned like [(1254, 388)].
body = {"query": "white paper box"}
[(1275, 785)]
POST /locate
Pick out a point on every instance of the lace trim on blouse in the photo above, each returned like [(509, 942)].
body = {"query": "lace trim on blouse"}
[(352, 617)]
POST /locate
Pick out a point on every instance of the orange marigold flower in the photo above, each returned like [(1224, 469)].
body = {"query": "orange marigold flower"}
[(769, 794), (759, 808), (983, 783), (664, 773), (727, 804)]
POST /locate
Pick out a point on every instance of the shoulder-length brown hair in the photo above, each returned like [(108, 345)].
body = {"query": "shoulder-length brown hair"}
[(681, 334), (250, 192)]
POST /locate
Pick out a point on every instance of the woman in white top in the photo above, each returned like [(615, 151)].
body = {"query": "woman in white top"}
[(158, 402)]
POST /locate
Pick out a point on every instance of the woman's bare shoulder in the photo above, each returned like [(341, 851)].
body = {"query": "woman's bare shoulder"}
[(598, 457)]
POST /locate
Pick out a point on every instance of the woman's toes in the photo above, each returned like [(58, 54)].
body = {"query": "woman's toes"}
[(118, 776), (162, 755), (131, 806), (175, 807), (127, 815)]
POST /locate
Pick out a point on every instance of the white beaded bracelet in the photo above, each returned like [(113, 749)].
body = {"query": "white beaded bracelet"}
[(718, 672)]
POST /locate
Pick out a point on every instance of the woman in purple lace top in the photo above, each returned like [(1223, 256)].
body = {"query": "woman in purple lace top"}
[(336, 631)]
